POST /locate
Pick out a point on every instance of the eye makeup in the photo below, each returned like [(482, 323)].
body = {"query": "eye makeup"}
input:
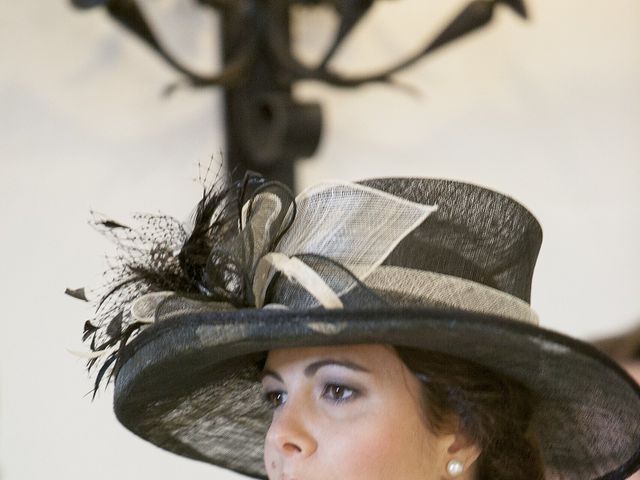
[(339, 393), (334, 392), (332, 389)]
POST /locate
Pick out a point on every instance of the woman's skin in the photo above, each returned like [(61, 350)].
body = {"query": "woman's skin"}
[(358, 420)]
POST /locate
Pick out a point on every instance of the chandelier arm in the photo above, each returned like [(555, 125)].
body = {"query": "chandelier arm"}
[(474, 16), (351, 13), (129, 14)]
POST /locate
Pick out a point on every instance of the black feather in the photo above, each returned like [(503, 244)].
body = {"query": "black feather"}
[(89, 328), (90, 363), (78, 293), (114, 329), (112, 224), (105, 366), (133, 328), (216, 220)]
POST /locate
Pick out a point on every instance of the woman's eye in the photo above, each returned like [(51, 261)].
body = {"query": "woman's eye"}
[(275, 398), (339, 393), (335, 392)]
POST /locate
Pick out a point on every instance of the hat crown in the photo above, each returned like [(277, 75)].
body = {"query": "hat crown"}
[(476, 234), (471, 248)]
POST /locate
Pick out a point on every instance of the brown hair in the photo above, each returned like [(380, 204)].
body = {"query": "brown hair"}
[(491, 410), (622, 347)]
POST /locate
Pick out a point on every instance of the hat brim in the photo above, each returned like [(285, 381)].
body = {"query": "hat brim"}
[(189, 384)]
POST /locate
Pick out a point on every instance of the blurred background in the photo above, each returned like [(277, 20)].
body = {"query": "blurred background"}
[(546, 111)]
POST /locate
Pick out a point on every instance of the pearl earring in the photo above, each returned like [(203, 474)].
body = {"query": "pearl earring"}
[(455, 467)]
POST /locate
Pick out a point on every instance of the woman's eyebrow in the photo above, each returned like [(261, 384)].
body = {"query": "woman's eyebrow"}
[(312, 368)]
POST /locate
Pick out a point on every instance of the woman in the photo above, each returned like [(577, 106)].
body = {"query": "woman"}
[(378, 330), (345, 412)]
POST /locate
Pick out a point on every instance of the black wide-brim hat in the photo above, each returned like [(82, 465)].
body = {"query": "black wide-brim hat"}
[(436, 265)]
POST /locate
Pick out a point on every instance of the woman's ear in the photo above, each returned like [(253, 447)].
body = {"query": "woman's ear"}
[(462, 454)]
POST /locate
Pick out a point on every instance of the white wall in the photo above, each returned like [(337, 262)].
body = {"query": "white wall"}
[(547, 111)]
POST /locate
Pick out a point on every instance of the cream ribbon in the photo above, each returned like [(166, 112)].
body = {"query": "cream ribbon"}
[(292, 268), (353, 224)]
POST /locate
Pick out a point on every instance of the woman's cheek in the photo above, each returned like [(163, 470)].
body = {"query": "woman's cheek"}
[(366, 449), (270, 462)]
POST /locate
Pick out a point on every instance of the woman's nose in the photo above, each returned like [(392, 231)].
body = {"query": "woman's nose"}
[(289, 431)]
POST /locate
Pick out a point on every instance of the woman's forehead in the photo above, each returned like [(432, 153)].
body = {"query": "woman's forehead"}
[(369, 356)]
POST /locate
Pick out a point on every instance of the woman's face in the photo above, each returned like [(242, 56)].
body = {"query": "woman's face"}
[(350, 412)]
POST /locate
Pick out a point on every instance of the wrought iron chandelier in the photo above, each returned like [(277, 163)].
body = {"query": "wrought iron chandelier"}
[(267, 129)]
